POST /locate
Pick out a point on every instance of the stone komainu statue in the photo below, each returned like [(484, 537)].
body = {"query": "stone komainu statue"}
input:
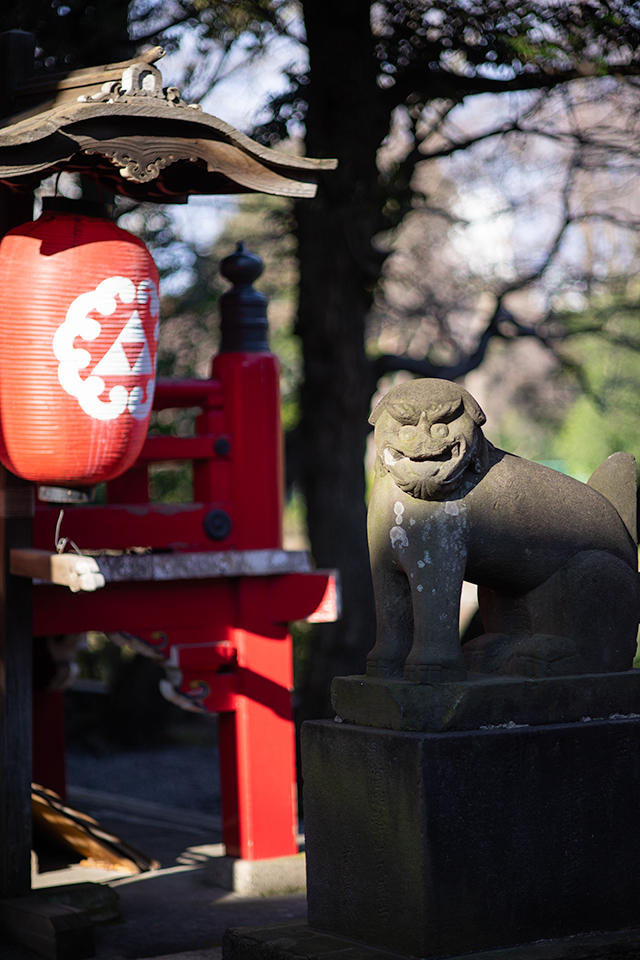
[(555, 560)]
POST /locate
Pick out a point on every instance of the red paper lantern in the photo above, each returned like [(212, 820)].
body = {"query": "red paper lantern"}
[(78, 339)]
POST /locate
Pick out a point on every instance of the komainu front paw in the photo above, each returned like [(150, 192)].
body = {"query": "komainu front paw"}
[(434, 672), (391, 669), (387, 658), (541, 655)]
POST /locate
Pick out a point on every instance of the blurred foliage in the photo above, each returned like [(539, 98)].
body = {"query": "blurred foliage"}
[(189, 332), (72, 33), (576, 412), (171, 482), (98, 658), (302, 635), (602, 350)]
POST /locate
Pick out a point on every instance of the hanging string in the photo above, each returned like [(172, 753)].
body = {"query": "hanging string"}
[(60, 543)]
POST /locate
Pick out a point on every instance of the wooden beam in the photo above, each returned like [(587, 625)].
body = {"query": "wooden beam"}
[(85, 572), (67, 569)]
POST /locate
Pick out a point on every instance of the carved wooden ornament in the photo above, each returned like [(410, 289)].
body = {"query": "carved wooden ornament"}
[(140, 140)]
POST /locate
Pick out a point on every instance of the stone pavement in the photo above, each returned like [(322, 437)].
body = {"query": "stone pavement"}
[(172, 912)]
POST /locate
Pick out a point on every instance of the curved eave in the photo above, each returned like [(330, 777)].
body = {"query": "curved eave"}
[(138, 141)]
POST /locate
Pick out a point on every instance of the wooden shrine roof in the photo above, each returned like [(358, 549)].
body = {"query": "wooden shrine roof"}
[(140, 140)]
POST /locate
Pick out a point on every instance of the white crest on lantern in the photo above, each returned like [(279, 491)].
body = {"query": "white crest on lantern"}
[(114, 363)]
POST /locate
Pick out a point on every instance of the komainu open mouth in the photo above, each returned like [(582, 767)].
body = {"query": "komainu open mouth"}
[(447, 453), (428, 474)]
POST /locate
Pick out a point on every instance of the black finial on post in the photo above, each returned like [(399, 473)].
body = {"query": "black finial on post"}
[(243, 310)]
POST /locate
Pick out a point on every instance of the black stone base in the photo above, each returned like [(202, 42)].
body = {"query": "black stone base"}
[(440, 844), (296, 940), (52, 930)]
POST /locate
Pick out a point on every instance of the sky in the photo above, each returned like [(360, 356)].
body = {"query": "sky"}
[(239, 100)]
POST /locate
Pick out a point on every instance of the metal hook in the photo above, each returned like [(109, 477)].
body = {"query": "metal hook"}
[(60, 543)]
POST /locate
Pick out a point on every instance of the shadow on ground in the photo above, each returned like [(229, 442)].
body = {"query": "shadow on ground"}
[(169, 911)]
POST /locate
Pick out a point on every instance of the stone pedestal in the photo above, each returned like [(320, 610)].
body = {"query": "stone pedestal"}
[(483, 702), (437, 844), (257, 878)]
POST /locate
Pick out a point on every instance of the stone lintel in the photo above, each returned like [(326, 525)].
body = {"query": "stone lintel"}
[(485, 702)]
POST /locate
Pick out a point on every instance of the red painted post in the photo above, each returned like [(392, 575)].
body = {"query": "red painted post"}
[(251, 387), (227, 637), (257, 753), (256, 741)]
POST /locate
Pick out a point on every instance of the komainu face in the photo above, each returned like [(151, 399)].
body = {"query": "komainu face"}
[(427, 451)]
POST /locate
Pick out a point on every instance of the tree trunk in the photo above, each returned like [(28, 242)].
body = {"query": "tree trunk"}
[(338, 270)]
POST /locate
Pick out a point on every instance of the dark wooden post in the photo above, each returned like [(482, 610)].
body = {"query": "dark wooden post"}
[(16, 511), (52, 929)]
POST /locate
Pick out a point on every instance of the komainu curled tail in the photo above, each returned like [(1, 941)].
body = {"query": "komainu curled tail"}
[(616, 480)]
